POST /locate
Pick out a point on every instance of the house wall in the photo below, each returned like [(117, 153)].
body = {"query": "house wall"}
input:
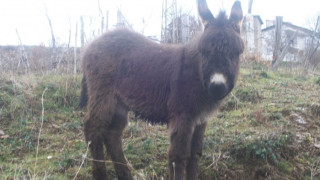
[(251, 35), (267, 41), (298, 46), (257, 36), (248, 33)]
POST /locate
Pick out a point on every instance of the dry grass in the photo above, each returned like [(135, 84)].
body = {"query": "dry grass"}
[(269, 128)]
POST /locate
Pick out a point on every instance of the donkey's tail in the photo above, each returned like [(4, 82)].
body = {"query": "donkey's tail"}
[(84, 94)]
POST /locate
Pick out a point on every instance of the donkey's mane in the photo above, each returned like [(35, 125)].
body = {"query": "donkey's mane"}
[(221, 40), (221, 20)]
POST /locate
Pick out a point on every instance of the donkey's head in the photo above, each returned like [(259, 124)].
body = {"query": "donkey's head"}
[(220, 47)]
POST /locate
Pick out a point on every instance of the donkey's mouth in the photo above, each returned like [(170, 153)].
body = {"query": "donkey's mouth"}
[(218, 90)]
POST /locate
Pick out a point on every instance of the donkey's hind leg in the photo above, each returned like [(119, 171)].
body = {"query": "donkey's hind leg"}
[(94, 140), (113, 142), (99, 114)]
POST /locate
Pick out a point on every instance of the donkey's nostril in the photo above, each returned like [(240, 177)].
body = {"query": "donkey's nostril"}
[(218, 90)]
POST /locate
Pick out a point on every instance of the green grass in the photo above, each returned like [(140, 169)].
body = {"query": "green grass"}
[(268, 128)]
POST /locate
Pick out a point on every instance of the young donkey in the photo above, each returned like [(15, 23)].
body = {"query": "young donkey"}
[(180, 85)]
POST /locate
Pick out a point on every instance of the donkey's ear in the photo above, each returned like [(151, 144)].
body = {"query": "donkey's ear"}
[(204, 12), (236, 14)]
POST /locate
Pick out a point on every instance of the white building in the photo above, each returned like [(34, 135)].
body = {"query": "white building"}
[(251, 35), (298, 46)]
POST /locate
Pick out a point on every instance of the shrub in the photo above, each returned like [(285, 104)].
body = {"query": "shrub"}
[(272, 149), (318, 81), (264, 74), (248, 95)]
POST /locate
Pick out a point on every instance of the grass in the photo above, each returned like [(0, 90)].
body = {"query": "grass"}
[(268, 128)]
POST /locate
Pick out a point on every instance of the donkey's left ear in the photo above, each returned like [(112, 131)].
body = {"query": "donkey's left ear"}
[(236, 14)]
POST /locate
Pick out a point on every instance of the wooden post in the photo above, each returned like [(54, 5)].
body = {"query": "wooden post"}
[(277, 45), (284, 52)]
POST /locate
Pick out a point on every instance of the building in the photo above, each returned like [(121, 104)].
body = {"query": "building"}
[(251, 35), (298, 47)]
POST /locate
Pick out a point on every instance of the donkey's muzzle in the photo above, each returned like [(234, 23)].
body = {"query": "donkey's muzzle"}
[(218, 90)]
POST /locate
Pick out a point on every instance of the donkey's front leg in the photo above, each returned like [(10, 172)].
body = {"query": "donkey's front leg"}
[(181, 131), (196, 151)]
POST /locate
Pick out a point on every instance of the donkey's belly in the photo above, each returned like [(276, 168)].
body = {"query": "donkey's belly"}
[(149, 107)]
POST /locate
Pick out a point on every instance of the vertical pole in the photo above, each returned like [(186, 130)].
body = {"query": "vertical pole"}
[(277, 45)]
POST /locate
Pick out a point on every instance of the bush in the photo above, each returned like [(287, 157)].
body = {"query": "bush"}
[(248, 95), (264, 74), (272, 149), (318, 81)]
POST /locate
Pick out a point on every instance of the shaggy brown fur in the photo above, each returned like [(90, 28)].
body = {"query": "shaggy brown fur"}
[(171, 84)]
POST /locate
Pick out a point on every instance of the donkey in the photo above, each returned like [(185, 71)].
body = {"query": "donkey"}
[(178, 85)]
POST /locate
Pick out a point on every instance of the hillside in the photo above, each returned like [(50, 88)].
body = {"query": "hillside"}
[(268, 128)]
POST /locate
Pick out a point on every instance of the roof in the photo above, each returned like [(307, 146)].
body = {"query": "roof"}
[(259, 18), (308, 31), (254, 16)]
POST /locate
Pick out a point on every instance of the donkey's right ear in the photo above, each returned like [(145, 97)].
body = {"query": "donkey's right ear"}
[(204, 12)]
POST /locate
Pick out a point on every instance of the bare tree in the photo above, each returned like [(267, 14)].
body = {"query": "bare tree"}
[(102, 17), (65, 51), (107, 20), (53, 39), (82, 31), (53, 56), (23, 56), (314, 44), (75, 51), (250, 6)]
